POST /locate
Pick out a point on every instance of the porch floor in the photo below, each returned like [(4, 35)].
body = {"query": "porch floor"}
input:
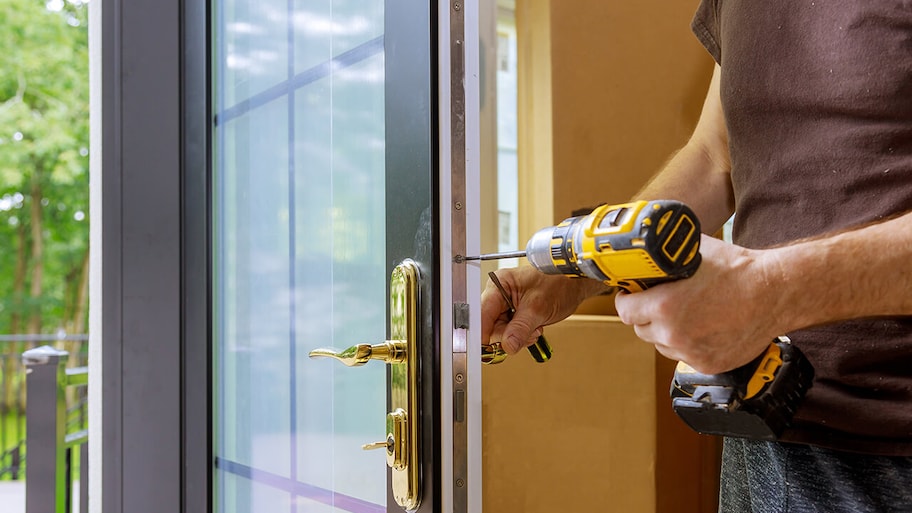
[(12, 496)]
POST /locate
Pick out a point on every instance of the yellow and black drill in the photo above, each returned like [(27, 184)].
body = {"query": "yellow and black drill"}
[(634, 246)]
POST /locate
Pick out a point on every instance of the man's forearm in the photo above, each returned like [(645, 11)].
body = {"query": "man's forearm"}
[(854, 274)]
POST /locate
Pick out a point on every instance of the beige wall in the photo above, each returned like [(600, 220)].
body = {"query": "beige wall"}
[(607, 91), (626, 84), (576, 433), (591, 430)]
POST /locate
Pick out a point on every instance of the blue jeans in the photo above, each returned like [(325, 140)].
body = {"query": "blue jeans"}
[(770, 477)]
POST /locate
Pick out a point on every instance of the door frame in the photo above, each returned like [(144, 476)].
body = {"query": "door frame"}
[(149, 357), (460, 212)]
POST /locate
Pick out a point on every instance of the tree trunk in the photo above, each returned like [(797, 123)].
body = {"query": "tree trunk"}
[(37, 256), (19, 278), (11, 372), (82, 298), (75, 324)]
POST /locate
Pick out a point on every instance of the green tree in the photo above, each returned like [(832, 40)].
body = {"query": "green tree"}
[(44, 140)]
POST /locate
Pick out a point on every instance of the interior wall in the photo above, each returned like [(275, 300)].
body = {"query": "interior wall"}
[(487, 32), (534, 116), (574, 434), (608, 90), (628, 81)]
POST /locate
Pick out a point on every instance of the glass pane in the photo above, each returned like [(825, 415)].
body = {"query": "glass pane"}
[(507, 161), (299, 230), (252, 287), (349, 23), (246, 491), (253, 41)]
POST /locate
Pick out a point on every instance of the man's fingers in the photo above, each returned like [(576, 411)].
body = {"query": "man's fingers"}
[(492, 307), (497, 333), (645, 332), (520, 332), (630, 309)]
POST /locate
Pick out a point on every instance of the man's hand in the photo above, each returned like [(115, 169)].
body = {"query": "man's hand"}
[(722, 317), (540, 300)]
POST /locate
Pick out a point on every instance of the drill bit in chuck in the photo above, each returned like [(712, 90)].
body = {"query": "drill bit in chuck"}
[(492, 256)]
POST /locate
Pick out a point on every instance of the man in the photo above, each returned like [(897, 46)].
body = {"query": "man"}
[(806, 135)]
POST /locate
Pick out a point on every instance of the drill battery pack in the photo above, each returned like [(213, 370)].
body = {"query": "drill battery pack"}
[(756, 401)]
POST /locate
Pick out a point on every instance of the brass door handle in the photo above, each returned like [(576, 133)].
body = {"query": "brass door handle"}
[(403, 435), (390, 351), (492, 353)]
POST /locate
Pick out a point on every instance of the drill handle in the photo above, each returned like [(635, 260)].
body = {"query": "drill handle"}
[(641, 285)]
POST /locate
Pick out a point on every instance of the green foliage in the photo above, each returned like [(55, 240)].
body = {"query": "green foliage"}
[(44, 140)]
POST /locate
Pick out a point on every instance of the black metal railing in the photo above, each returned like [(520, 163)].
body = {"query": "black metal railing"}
[(12, 462), (12, 409), (13, 395), (22, 366)]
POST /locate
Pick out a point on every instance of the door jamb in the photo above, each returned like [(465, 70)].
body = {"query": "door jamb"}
[(458, 31)]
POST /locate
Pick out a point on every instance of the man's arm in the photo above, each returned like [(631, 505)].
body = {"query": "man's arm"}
[(739, 299), (854, 274), (699, 174)]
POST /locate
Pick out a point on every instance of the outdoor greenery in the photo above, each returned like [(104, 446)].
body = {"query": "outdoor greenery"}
[(44, 199), (44, 148)]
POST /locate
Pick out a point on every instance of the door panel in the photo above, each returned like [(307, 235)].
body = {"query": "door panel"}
[(322, 184)]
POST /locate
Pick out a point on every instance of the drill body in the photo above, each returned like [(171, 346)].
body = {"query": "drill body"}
[(631, 246)]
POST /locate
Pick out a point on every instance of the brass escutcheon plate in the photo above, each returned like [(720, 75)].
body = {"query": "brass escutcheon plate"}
[(406, 473)]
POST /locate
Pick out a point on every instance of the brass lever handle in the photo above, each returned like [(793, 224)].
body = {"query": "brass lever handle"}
[(492, 353), (389, 351)]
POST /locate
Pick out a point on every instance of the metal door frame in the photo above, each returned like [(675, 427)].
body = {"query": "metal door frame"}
[(459, 90), (148, 377)]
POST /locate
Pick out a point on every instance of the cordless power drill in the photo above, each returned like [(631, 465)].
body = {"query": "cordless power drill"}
[(634, 246)]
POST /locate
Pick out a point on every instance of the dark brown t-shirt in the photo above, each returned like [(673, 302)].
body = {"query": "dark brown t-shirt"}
[(817, 97)]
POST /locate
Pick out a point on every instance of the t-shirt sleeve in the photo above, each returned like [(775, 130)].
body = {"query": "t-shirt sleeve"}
[(705, 26)]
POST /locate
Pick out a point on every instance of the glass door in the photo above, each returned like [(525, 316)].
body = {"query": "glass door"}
[(322, 164)]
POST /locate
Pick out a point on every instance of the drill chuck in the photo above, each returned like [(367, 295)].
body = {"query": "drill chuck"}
[(538, 252)]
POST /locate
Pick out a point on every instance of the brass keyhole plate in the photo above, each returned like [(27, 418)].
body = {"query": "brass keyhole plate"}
[(404, 385)]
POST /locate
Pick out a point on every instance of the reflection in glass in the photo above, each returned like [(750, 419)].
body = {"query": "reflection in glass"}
[(298, 253)]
